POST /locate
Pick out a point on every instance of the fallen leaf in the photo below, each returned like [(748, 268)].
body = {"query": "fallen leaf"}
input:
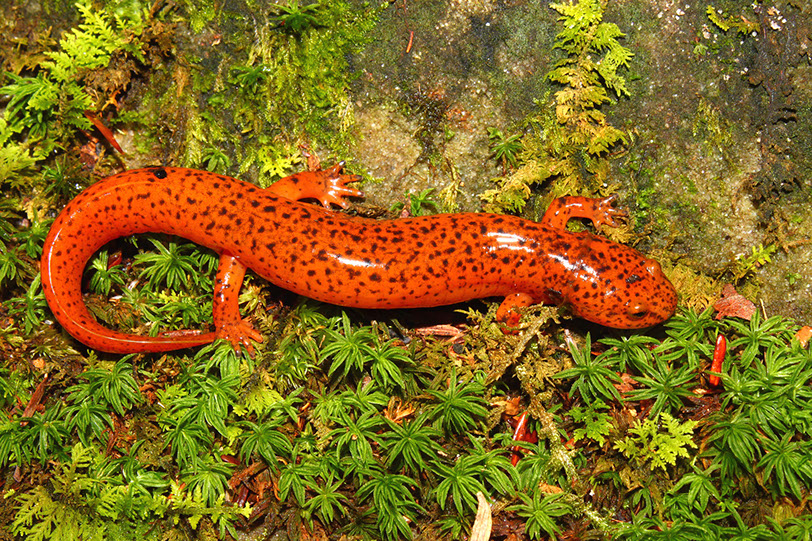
[(481, 531), (732, 304)]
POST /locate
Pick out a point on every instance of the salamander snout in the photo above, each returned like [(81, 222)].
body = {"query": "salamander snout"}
[(650, 297)]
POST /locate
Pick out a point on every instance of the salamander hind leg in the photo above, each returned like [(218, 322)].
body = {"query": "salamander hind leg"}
[(229, 324), (598, 211), (328, 186)]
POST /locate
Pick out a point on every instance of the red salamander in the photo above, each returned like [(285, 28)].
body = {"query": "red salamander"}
[(348, 261)]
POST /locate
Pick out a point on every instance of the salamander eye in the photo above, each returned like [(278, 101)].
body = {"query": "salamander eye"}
[(638, 310)]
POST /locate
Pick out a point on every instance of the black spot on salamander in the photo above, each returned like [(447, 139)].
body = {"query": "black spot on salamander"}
[(254, 203), (375, 277), (633, 278), (311, 272), (159, 173), (191, 201), (269, 208)]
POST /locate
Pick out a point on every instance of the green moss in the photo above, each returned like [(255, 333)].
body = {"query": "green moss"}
[(568, 141), (286, 86)]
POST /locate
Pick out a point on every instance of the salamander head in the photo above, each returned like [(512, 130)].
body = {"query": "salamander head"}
[(632, 296)]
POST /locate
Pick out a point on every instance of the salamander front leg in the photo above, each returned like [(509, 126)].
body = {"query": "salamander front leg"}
[(329, 186), (228, 322), (598, 211), (508, 311)]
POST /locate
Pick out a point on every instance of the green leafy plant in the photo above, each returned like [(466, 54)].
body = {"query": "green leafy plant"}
[(758, 257), (104, 276), (788, 463), (740, 23), (115, 388), (349, 350), (393, 500), (207, 479), (49, 106), (42, 436), (176, 265), (594, 376), (266, 441), (658, 440), (459, 406), (701, 488), (570, 143), (409, 445), (664, 383), (461, 482), (505, 149), (326, 502), (539, 510), (354, 437), (30, 308), (420, 204), (597, 424), (295, 19)]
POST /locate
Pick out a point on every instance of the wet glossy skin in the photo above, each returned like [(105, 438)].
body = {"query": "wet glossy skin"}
[(325, 255)]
